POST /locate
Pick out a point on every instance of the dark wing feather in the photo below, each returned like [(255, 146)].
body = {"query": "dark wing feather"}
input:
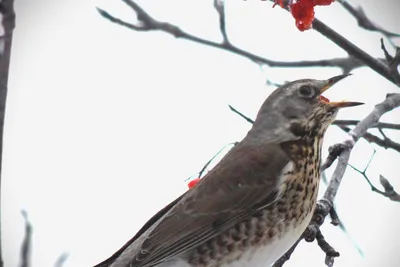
[(146, 226), (245, 180)]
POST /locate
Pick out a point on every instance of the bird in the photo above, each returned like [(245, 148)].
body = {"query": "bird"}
[(257, 200)]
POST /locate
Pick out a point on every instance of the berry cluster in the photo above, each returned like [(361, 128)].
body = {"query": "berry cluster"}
[(303, 11)]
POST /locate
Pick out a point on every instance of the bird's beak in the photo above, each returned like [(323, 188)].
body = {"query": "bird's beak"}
[(341, 104)]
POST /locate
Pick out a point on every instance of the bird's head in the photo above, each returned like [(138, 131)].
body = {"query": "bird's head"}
[(298, 109)]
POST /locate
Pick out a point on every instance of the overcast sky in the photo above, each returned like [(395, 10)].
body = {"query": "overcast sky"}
[(104, 124)]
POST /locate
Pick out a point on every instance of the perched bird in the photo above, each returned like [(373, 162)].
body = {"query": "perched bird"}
[(256, 202)]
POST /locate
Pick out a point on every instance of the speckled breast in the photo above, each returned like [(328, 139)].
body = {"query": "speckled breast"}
[(262, 238)]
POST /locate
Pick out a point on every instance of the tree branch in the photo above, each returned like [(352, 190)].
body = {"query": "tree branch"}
[(148, 23), (354, 51), (61, 260), (334, 217), (26, 243), (357, 57), (204, 168), (380, 125), (219, 6), (364, 22), (7, 25), (330, 252), (389, 190), (392, 61), (391, 102), (241, 114), (371, 138)]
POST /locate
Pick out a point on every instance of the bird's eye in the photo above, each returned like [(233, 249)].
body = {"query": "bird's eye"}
[(306, 91)]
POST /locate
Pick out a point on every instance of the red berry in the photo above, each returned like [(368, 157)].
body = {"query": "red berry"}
[(323, 2), (303, 12), (307, 2), (193, 182)]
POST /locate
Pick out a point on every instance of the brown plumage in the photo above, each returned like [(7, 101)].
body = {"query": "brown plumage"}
[(254, 204)]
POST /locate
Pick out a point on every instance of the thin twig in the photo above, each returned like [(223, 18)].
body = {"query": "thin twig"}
[(334, 153), (380, 125), (391, 102), (389, 190), (392, 61), (148, 23), (354, 51), (330, 252), (334, 217), (371, 138), (26, 243), (241, 114), (203, 169), (7, 25), (365, 22), (219, 6), (364, 172), (61, 260)]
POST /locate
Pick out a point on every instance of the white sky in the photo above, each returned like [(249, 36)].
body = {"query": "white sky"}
[(104, 124)]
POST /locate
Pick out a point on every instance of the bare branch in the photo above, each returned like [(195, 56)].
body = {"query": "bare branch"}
[(61, 260), (272, 83), (393, 62), (334, 153), (364, 172), (389, 190), (148, 23), (379, 125), (219, 6), (391, 102), (334, 217), (111, 18), (7, 25), (371, 138), (241, 114), (26, 243), (330, 252), (354, 51), (364, 22), (213, 157)]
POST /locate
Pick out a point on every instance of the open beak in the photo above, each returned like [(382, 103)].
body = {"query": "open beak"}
[(341, 104)]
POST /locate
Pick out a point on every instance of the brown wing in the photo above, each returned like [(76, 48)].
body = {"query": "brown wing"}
[(142, 230), (245, 180)]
